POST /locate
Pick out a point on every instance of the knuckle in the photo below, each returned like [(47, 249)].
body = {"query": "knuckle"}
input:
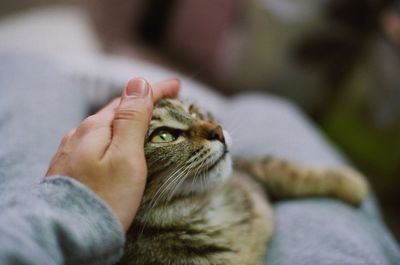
[(130, 114), (83, 128), (87, 124), (91, 120), (116, 101), (67, 137)]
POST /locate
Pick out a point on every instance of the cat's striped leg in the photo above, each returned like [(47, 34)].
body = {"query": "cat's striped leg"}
[(285, 179)]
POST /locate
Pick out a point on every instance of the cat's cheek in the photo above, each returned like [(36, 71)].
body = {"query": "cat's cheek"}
[(228, 139), (228, 169), (224, 170)]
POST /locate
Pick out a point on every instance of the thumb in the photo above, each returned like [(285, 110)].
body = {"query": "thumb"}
[(132, 117)]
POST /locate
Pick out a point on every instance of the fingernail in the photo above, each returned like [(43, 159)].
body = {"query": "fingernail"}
[(137, 88)]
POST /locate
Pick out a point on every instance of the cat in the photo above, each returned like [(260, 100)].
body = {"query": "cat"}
[(199, 207)]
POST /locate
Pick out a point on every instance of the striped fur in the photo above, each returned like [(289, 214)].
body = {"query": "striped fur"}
[(196, 210)]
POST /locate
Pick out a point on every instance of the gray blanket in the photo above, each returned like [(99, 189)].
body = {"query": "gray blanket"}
[(310, 231)]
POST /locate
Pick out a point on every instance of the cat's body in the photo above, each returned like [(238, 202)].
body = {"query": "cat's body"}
[(196, 210), (229, 225)]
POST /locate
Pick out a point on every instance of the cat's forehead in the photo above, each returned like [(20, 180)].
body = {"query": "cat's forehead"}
[(176, 109), (181, 111), (173, 113), (173, 104)]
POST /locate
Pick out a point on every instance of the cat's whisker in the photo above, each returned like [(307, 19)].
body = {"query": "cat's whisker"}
[(232, 126), (234, 133), (202, 180), (194, 178), (197, 171), (186, 172), (179, 182), (154, 202), (175, 171), (173, 184), (199, 167), (169, 196), (175, 176), (159, 194)]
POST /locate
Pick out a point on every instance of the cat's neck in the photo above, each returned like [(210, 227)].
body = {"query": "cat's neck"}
[(175, 210)]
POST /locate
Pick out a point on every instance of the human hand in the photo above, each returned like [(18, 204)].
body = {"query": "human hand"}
[(106, 151)]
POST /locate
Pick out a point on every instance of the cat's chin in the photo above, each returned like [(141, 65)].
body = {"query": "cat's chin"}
[(214, 177)]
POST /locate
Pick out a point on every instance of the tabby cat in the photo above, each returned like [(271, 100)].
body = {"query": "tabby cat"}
[(197, 210)]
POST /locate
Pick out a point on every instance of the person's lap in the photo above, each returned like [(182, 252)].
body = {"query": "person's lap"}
[(38, 105), (309, 231)]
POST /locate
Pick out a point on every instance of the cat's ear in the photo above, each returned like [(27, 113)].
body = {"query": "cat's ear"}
[(210, 116)]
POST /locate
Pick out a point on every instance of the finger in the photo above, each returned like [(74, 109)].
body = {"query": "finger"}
[(95, 132), (167, 88), (67, 137), (56, 164), (132, 118), (110, 107), (103, 118)]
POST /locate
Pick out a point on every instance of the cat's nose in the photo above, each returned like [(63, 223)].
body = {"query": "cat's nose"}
[(216, 133)]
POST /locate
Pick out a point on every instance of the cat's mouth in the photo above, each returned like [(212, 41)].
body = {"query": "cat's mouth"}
[(220, 159), (211, 175)]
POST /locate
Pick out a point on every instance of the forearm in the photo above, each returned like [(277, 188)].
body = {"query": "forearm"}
[(63, 223)]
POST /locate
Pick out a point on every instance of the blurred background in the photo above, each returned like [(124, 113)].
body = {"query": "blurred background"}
[(339, 60)]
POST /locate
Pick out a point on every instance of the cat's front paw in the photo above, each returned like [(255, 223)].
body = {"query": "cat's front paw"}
[(351, 186)]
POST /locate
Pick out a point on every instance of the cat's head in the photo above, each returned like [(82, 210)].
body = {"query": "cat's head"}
[(186, 150)]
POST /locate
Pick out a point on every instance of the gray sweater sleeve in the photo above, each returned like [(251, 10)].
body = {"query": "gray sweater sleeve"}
[(60, 221)]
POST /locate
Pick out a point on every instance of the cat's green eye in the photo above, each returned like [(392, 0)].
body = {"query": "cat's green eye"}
[(163, 137)]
